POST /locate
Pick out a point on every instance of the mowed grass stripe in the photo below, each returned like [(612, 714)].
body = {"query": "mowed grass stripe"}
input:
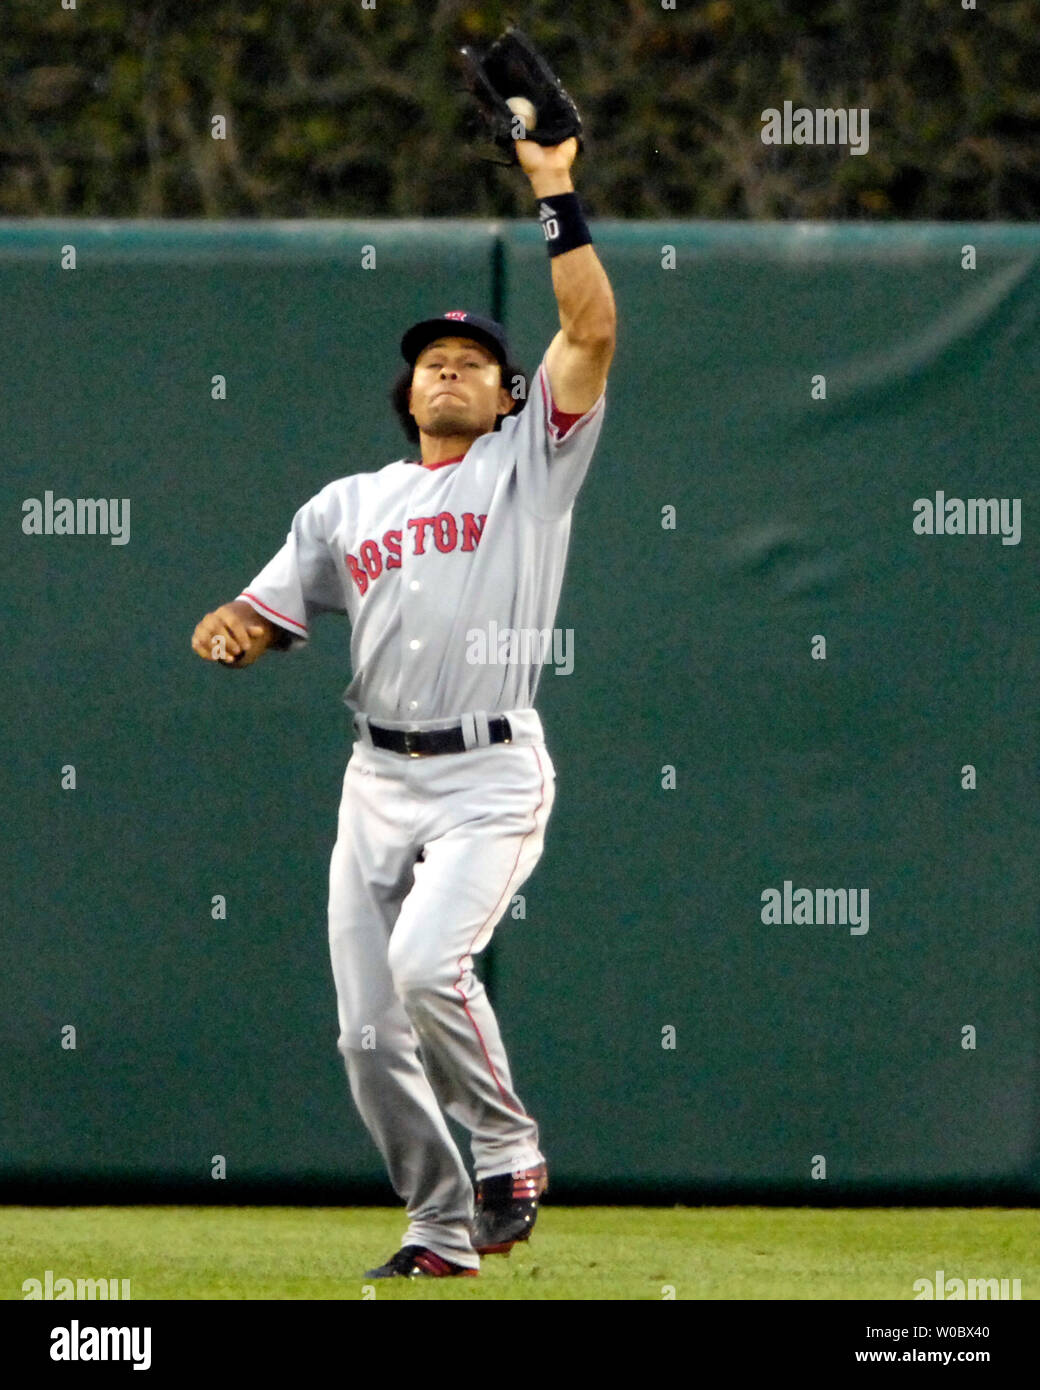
[(178, 1252)]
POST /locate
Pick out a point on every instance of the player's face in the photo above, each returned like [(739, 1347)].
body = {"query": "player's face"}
[(456, 388)]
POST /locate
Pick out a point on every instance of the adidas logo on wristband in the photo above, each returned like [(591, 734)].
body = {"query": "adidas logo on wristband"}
[(563, 223), (550, 226)]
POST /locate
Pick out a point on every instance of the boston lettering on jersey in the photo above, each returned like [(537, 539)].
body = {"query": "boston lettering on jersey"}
[(428, 533)]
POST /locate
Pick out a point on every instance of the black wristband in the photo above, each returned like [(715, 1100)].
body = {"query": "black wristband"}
[(563, 223)]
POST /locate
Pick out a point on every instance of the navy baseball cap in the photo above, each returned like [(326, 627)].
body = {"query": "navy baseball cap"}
[(456, 323)]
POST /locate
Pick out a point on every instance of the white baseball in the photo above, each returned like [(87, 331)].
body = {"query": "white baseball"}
[(523, 108)]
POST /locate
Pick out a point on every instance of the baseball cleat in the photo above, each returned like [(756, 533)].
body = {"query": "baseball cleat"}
[(416, 1260), (506, 1209)]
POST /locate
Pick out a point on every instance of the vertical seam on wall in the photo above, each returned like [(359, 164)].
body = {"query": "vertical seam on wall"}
[(498, 276), (498, 305)]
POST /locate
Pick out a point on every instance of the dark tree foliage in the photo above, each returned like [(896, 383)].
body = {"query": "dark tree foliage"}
[(335, 110)]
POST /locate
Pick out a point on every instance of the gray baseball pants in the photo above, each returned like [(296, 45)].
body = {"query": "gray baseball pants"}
[(428, 856)]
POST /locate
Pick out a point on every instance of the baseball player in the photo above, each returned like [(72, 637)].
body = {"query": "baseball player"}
[(449, 785)]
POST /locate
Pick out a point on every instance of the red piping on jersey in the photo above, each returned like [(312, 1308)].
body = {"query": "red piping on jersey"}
[(444, 462), (553, 412), (563, 419), (487, 919), (285, 619)]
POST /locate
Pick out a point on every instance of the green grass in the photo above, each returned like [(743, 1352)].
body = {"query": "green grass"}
[(575, 1252)]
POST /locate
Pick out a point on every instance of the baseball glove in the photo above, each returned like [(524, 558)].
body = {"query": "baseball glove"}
[(513, 67)]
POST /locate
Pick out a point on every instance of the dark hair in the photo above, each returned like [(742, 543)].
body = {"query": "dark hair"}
[(510, 373)]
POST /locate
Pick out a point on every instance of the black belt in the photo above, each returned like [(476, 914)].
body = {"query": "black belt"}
[(420, 744)]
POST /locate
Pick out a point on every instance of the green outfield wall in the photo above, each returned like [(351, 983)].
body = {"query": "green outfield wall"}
[(783, 939)]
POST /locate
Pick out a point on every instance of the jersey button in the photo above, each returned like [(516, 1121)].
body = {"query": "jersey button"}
[(415, 584), (413, 704), (415, 644)]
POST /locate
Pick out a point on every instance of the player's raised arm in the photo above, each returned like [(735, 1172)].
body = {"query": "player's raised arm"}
[(579, 356)]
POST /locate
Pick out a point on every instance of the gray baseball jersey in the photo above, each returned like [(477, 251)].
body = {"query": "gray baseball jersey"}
[(420, 557)]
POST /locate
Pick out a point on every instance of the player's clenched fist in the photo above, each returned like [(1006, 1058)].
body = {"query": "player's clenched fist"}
[(234, 634)]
